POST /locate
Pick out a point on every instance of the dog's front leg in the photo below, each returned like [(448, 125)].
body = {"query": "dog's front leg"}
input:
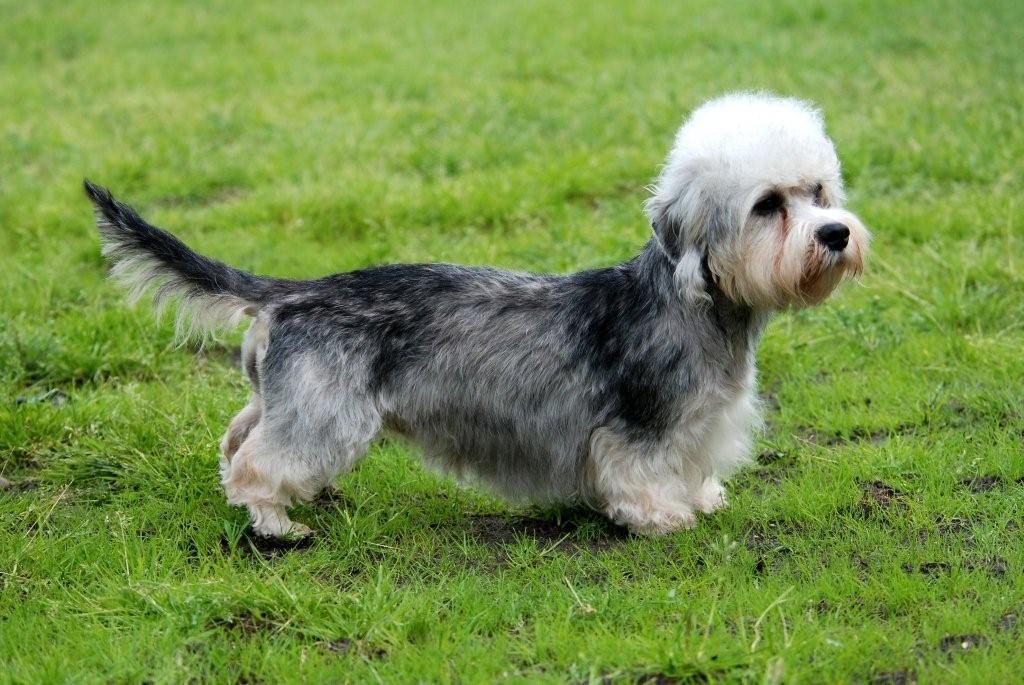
[(647, 511), (634, 487)]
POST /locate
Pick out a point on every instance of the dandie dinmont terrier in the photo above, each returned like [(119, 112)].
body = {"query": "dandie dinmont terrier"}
[(630, 389)]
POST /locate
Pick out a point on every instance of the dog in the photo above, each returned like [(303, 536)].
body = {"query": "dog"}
[(630, 389)]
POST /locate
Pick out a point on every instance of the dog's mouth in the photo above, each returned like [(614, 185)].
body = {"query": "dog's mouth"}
[(826, 269)]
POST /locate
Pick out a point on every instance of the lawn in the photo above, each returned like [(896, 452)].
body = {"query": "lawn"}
[(879, 536)]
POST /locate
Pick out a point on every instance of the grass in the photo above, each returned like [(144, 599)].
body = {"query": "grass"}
[(879, 536)]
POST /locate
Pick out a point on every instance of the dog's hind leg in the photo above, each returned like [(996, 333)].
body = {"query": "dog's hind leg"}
[(253, 350), (267, 480), (240, 427), (312, 427)]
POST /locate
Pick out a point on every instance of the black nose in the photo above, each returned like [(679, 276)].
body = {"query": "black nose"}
[(834, 236)]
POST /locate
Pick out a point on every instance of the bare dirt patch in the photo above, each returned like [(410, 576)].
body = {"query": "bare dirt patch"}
[(1008, 622), (769, 457), (344, 645), (764, 541), (957, 644), (251, 544), (879, 496), (594, 534), (14, 486), (994, 566), (767, 477), (904, 677), (765, 538), (929, 568), (662, 679), (772, 476), (247, 623), (951, 528), (954, 526), (858, 434), (55, 397), (775, 468), (695, 678), (980, 484)]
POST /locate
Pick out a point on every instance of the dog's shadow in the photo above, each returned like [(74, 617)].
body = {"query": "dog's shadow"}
[(563, 529)]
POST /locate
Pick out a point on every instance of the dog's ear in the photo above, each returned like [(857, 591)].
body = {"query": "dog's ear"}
[(681, 236), (666, 226)]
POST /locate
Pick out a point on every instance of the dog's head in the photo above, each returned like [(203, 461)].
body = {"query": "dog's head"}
[(752, 187)]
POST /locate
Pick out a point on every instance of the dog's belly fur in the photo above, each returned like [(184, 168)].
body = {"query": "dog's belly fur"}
[(516, 380), (545, 451)]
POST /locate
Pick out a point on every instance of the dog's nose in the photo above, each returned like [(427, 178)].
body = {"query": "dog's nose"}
[(834, 236)]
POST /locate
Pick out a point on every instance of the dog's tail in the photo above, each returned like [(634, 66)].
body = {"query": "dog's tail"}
[(211, 295)]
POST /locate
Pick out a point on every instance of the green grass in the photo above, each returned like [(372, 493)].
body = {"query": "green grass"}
[(304, 139)]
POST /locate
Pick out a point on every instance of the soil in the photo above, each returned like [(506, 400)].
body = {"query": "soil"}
[(980, 484), (994, 566), (858, 434), (880, 496), (953, 644), (929, 568), (247, 623), (1007, 622), (496, 530), (770, 457), (251, 544), (905, 677), (344, 645)]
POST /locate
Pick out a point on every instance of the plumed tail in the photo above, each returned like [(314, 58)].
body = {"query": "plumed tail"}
[(210, 295)]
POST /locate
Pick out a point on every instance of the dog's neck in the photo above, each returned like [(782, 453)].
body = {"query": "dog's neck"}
[(736, 324)]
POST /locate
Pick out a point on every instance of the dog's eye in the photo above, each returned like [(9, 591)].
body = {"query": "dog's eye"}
[(819, 195), (769, 204)]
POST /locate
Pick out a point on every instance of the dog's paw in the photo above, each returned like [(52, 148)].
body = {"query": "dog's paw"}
[(295, 532), (654, 521), (710, 498)]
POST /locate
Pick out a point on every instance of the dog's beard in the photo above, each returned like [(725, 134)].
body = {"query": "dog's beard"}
[(822, 274), (824, 270), (793, 271)]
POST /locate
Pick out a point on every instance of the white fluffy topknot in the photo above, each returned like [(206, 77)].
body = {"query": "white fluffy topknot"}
[(740, 142)]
